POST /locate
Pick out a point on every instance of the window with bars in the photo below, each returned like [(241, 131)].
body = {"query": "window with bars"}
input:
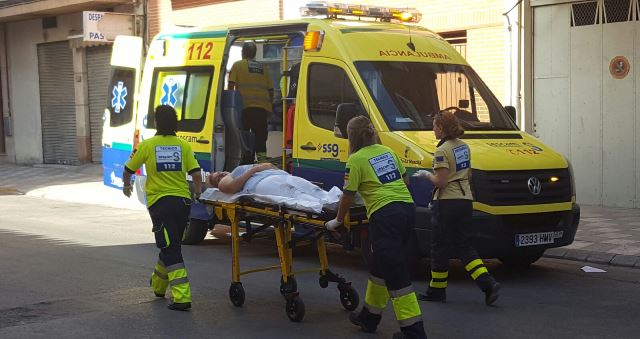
[(604, 11), (585, 14), (617, 11)]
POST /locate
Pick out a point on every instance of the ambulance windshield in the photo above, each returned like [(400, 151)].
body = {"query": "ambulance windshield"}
[(408, 94)]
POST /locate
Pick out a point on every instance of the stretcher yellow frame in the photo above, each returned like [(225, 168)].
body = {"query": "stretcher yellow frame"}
[(283, 220)]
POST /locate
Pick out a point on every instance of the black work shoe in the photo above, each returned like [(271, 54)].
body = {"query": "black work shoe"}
[(354, 317), (491, 294), (434, 294), (179, 306)]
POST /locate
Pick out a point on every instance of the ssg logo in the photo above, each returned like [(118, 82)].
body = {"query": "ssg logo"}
[(329, 148), (119, 93), (169, 89)]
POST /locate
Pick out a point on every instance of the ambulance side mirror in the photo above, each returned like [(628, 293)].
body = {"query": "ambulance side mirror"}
[(344, 113)]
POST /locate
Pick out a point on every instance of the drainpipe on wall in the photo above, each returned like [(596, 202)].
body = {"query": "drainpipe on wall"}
[(7, 123), (518, 96)]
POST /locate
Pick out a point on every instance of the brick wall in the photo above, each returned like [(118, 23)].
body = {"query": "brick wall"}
[(210, 13), (487, 53), (482, 19)]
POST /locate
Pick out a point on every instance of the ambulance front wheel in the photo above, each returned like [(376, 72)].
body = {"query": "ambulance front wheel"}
[(295, 309), (236, 294)]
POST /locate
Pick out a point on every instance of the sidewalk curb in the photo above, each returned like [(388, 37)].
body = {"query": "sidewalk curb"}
[(612, 259)]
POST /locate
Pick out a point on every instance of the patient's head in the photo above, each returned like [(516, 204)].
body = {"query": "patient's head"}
[(214, 178)]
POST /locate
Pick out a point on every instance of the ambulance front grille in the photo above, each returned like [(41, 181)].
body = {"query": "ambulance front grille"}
[(511, 188)]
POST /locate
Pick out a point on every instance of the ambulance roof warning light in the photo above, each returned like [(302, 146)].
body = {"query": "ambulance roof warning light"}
[(333, 10), (313, 41)]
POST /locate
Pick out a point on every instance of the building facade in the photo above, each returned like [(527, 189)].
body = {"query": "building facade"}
[(54, 67)]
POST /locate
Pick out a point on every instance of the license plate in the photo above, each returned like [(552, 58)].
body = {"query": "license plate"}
[(532, 239)]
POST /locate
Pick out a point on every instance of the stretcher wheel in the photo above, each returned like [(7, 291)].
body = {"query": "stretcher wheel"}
[(323, 281), (236, 294), (349, 298), (295, 309), (290, 286)]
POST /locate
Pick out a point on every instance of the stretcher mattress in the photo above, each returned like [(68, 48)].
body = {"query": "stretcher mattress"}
[(317, 206)]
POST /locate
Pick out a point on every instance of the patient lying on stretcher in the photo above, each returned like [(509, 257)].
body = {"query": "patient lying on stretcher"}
[(266, 180)]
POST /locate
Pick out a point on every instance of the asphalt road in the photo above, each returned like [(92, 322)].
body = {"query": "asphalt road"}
[(75, 271)]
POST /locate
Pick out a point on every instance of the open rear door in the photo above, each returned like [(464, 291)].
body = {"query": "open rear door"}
[(120, 113)]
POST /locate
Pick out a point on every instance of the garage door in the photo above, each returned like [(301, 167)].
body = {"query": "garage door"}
[(98, 72), (586, 94), (57, 103)]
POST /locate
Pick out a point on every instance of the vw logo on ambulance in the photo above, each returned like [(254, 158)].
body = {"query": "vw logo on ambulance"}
[(535, 186)]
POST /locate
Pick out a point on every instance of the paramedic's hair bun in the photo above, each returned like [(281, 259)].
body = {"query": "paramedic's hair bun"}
[(449, 124)]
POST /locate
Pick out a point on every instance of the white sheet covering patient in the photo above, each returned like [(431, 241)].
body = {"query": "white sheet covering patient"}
[(273, 185)]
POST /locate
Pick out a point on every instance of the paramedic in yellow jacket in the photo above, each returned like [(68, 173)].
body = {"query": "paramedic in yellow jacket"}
[(376, 173), (452, 208), (252, 79), (167, 160)]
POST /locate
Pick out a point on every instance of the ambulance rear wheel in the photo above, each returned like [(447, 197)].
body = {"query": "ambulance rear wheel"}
[(295, 309), (236, 294), (195, 232)]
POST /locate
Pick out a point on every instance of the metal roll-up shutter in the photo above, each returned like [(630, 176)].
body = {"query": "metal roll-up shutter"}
[(57, 103), (98, 71)]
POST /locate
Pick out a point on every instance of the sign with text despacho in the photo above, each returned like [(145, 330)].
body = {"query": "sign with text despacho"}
[(105, 26)]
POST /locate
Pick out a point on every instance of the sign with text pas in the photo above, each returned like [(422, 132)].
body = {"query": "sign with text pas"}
[(105, 26)]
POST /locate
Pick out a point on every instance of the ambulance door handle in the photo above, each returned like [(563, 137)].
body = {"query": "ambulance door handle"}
[(308, 147), (202, 141)]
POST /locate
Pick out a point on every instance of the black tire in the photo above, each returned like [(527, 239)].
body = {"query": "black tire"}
[(295, 309), (349, 298), (323, 281), (521, 260), (195, 232), (236, 294)]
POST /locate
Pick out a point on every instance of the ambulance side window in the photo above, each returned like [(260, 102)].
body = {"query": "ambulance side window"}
[(329, 86), (121, 89), (187, 90)]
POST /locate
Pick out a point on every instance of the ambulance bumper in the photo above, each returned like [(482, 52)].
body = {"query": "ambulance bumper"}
[(499, 235)]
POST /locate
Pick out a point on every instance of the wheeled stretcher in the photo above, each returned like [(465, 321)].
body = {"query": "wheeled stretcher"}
[(283, 221)]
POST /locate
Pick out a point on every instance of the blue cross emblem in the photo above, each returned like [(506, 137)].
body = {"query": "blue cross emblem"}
[(119, 93), (169, 89)]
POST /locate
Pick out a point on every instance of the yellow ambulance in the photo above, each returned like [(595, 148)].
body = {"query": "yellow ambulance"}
[(343, 61)]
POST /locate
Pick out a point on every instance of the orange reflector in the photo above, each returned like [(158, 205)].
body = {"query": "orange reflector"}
[(313, 41)]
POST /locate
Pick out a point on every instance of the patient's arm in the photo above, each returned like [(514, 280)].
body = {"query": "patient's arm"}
[(231, 185)]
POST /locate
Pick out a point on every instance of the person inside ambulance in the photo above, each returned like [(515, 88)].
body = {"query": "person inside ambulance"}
[(267, 179), (452, 210), (374, 171), (252, 79), (167, 160)]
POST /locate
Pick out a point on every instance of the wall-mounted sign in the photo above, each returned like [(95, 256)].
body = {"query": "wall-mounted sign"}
[(619, 67), (105, 26)]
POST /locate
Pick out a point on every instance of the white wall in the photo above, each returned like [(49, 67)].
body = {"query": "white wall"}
[(22, 40), (582, 111)]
